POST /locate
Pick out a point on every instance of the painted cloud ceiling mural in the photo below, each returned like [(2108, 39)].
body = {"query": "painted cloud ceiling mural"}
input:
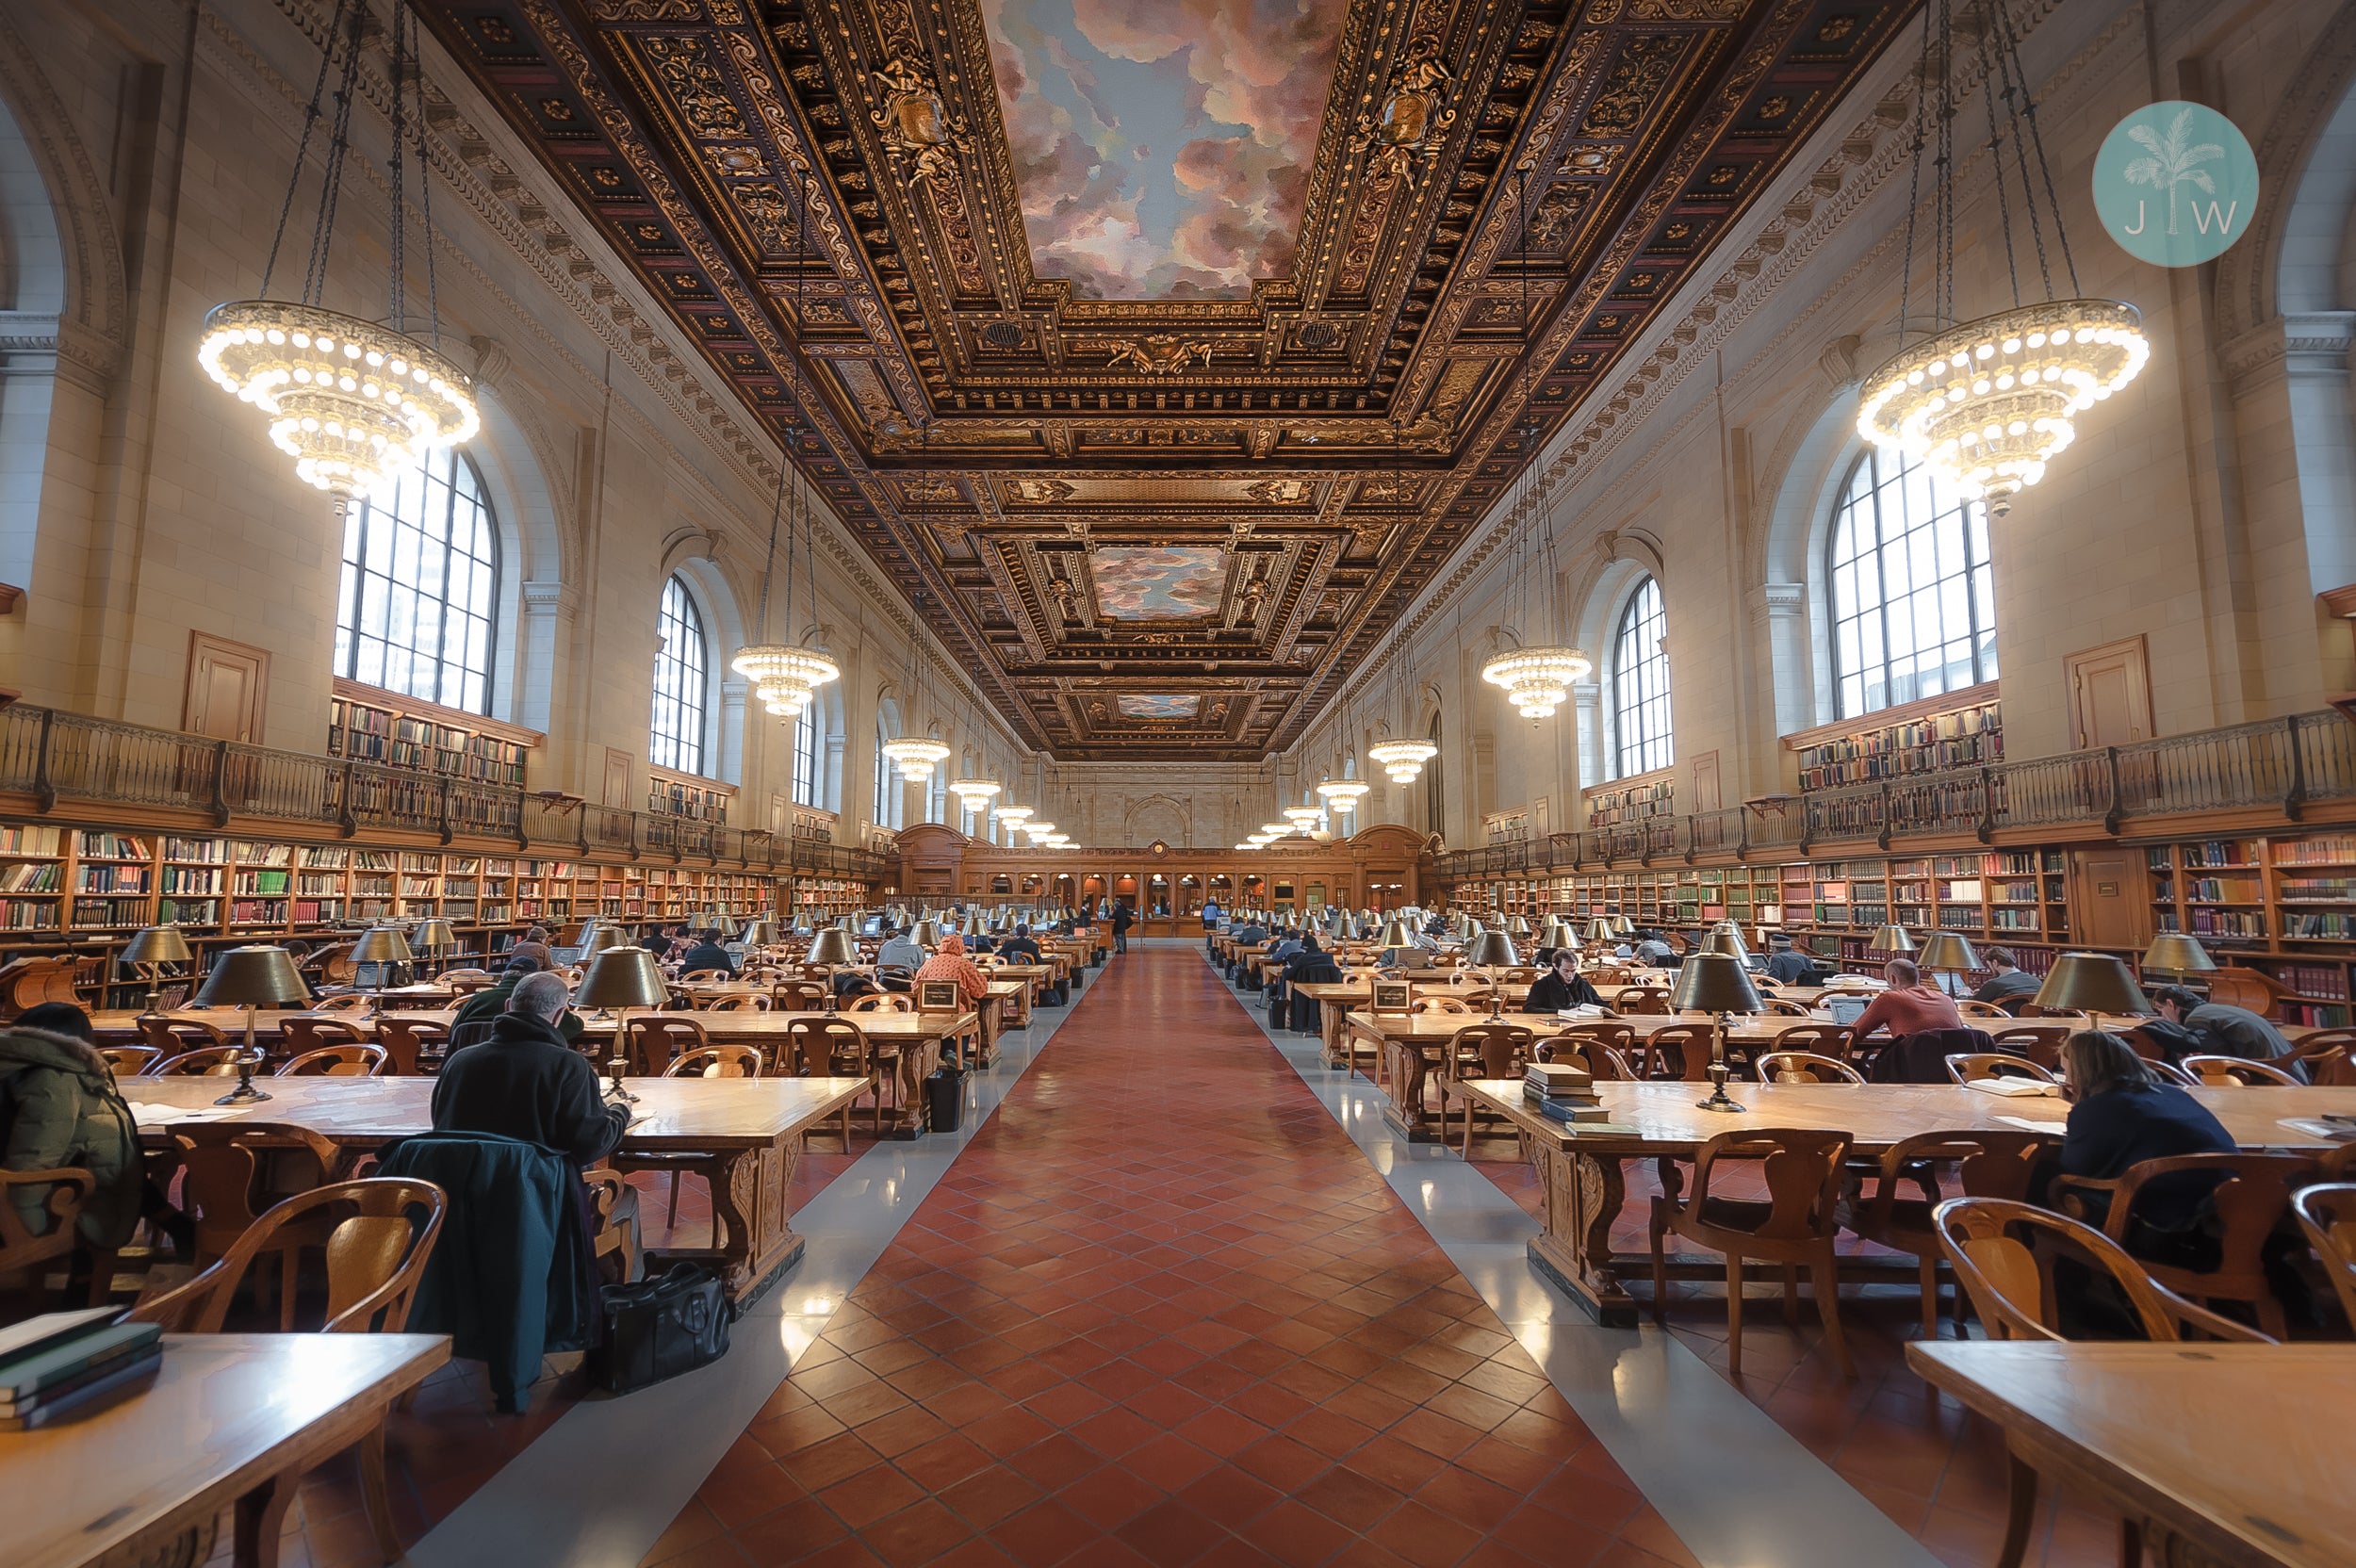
[(1157, 583), (1160, 705), (1162, 150)]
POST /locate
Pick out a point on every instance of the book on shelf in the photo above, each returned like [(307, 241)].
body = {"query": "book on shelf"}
[(15, 839)]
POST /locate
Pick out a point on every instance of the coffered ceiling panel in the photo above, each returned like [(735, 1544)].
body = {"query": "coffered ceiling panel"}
[(1168, 350)]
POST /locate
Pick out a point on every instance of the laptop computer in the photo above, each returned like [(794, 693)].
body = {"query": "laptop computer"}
[(1846, 1010)]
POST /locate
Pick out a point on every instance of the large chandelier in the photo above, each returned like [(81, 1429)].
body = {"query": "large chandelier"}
[(1038, 832), (1303, 818), (974, 795), (915, 759), (1057, 841), (1011, 815), (353, 401), (1986, 404), (785, 677), (1403, 760), (1537, 681), (1277, 829), (1342, 795)]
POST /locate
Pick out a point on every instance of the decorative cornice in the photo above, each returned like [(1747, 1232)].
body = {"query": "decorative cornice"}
[(2309, 345)]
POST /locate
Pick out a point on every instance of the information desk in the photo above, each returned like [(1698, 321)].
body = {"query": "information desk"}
[(743, 1135), (2222, 1453), (231, 1420), (1583, 1185)]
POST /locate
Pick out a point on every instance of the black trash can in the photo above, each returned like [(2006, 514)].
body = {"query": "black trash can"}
[(944, 1100)]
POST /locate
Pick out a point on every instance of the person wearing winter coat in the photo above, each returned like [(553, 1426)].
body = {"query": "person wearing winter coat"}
[(59, 1108)]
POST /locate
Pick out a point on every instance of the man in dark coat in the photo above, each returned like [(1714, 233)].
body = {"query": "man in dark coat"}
[(1123, 920), (707, 953), (485, 1006), (526, 1083)]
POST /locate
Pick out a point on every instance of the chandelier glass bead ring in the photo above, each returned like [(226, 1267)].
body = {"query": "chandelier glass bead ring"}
[(1342, 795), (1013, 815), (1039, 831), (974, 793), (1537, 681), (1403, 760), (351, 401), (785, 679), (916, 760), (1989, 403)]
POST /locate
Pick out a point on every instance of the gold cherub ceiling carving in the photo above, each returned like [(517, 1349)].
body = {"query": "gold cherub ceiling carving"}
[(1277, 382)]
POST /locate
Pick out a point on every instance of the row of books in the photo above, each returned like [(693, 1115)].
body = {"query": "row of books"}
[(59, 1363)]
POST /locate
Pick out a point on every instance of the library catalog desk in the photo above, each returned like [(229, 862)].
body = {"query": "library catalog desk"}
[(2222, 1453), (744, 1135), (1581, 1185), (230, 1419)]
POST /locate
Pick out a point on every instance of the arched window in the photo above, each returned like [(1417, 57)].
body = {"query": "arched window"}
[(421, 576), (1434, 787), (1913, 597), (892, 791), (806, 757), (682, 684), (1640, 740)]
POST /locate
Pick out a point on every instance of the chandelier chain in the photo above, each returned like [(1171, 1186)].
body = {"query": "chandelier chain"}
[(339, 151), (303, 145), (1914, 182), (397, 304), (2008, 60), (425, 182), (1996, 161)]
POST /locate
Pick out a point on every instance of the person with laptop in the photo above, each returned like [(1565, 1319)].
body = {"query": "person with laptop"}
[(1907, 1007)]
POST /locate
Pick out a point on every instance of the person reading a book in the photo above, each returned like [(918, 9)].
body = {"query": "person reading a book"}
[(1561, 988), (526, 1082), (2007, 980), (1907, 1007)]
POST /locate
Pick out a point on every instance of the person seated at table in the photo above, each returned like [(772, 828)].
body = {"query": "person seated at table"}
[(708, 953), (526, 1081), (900, 950), (537, 951), (1021, 947), (2215, 1028), (949, 962), (59, 1108), (1654, 948), (535, 934), (1907, 1007), (485, 1006), (984, 943), (1787, 965), (2007, 980), (1562, 986), (1286, 945)]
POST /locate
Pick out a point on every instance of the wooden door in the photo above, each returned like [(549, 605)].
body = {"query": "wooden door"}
[(2110, 695), (1707, 796), (2109, 898), (616, 786), (228, 684)]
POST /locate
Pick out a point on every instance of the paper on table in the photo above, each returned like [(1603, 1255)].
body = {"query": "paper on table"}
[(2029, 1124), (165, 1111), (2316, 1127)]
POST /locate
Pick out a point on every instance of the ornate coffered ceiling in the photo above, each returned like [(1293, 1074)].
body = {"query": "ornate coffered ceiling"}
[(1228, 493)]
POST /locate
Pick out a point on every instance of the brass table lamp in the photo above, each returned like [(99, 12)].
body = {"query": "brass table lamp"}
[(1891, 941), (925, 934), (621, 978), (1726, 939), (1716, 984), (1947, 953), (252, 978), (2092, 983), (1489, 952), (381, 945), (149, 951), (433, 938), (1558, 935), (2174, 953), (761, 932), (1599, 930)]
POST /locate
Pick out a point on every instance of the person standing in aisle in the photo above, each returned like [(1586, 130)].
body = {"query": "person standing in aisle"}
[(1123, 920)]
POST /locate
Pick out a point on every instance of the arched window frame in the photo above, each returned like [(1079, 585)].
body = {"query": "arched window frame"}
[(1435, 783), (1642, 738), (807, 762), (678, 728), (892, 790), (1875, 604), (421, 561)]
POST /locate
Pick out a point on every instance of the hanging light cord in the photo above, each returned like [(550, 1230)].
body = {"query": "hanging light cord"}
[(338, 149), (302, 144)]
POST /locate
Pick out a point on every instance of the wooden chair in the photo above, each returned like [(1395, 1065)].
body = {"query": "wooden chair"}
[(1617, 1038), (1445, 1005), (1990, 1165), (649, 1040), (1646, 1000), (1805, 1067), (700, 976), (751, 1001), (210, 1061), (1602, 1062), (1970, 1067), (301, 1036), (410, 1044), (1795, 1225), (1500, 1050), (1970, 1008), (234, 1173), (2248, 1204), (2225, 1073), (2328, 1056), (2168, 1073), (1817, 1039), (351, 1001), (803, 996), (378, 1234), (23, 1247), (1679, 1051), (882, 1002), (832, 1048), (615, 1238), (2326, 1212), (341, 1061), (176, 1036), (2010, 1282), (1779, 1007), (129, 1061), (2040, 1043)]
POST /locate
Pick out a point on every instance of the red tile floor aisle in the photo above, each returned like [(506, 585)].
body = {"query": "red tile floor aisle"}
[(1162, 1311)]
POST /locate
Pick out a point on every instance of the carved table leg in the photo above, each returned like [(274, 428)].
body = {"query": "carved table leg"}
[(748, 1198), (907, 1121), (1583, 1194), (1409, 1071)]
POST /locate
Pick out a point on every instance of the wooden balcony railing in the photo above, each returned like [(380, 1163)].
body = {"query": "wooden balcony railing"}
[(64, 763), (2279, 765)]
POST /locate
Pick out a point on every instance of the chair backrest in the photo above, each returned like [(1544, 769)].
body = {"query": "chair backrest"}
[(1805, 1067), (175, 1037), (1801, 1165), (1691, 1041), (1447, 1005), (750, 1002), (2246, 1206), (129, 1061), (2040, 1043), (1644, 999), (1782, 1007), (207, 1061), (695, 976), (1971, 1008), (1970, 1067), (407, 1042), (303, 1035), (1603, 1062), (2226, 1072), (725, 1060), (1996, 1164), (384, 1231), (360, 1060), (819, 1045), (221, 1163), (1502, 1050), (2326, 1212), (472, 1031), (803, 996), (350, 1002), (21, 1245), (649, 1040), (2007, 1276), (2326, 1054), (881, 1002), (1817, 1039)]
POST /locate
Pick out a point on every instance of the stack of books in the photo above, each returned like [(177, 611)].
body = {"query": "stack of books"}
[(1561, 1092), (60, 1363)]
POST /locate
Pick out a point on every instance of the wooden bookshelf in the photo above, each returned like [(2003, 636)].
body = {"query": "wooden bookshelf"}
[(1632, 799), (368, 724), (687, 796), (2285, 906), (1955, 729)]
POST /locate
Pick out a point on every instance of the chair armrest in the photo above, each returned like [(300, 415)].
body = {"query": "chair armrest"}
[(2192, 1315), (2120, 1191), (70, 1187)]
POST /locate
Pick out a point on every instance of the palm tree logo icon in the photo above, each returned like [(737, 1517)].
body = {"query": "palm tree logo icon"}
[(2174, 159)]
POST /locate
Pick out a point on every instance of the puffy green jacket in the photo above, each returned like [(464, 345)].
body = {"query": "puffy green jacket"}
[(59, 1108)]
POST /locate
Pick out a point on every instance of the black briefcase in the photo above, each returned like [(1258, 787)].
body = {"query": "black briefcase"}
[(660, 1328)]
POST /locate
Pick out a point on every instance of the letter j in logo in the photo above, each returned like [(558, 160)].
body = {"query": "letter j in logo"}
[(2175, 184)]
